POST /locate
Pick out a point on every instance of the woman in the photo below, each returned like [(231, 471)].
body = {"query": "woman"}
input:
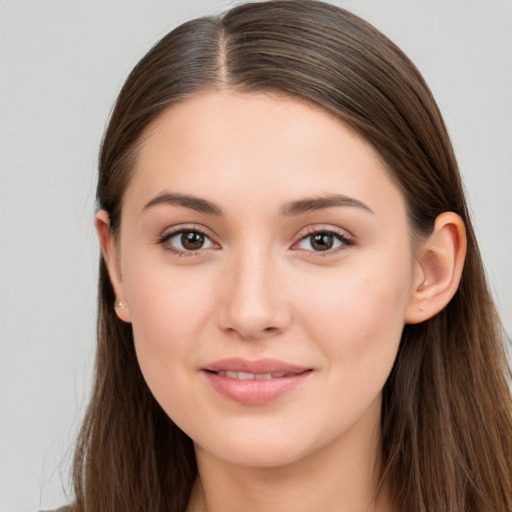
[(293, 310)]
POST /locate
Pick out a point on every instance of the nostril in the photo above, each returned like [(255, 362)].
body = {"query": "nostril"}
[(253, 334)]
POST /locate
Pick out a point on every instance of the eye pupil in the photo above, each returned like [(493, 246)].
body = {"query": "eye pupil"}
[(192, 240), (322, 241)]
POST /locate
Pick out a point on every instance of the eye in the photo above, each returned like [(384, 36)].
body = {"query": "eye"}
[(187, 241), (322, 241)]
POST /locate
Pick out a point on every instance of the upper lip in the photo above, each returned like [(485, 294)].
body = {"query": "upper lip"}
[(236, 364)]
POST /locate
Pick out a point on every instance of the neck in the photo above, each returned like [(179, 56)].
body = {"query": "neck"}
[(340, 477)]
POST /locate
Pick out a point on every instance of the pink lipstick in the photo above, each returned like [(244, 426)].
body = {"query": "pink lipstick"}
[(254, 382)]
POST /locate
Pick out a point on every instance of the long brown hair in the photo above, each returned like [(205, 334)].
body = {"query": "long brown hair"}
[(447, 412)]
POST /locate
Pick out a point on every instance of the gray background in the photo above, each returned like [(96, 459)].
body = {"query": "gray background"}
[(61, 65)]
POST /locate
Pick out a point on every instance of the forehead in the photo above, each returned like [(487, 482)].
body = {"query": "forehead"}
[(229, 146)]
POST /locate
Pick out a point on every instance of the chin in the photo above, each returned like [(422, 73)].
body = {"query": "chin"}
[(259, 447), (256, 455)]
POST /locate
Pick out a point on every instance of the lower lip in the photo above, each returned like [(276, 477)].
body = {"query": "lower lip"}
[(255, 392)]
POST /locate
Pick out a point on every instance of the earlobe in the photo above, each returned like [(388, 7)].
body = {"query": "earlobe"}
[(111, 258), (440, 261)]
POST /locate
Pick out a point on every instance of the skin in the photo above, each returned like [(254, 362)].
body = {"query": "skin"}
[(258, 288)]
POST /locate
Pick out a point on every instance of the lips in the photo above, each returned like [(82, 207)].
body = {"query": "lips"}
[(254, 382), (251, 376)]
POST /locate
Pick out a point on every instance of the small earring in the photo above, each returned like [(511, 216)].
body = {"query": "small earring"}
[(119, 305), (421, 309)]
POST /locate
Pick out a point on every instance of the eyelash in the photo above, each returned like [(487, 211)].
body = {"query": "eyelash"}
[(166, 237), (344, 240)]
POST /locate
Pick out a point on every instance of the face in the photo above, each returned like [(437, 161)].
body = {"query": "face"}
[(266, 264)]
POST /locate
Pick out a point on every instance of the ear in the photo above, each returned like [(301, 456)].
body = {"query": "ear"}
[(439, 264), (111, 257)]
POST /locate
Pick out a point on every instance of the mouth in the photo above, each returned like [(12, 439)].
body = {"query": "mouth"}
[(252, 376), (254, 382)]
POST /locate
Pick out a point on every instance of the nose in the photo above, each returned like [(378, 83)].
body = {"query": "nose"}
[(251, 297)]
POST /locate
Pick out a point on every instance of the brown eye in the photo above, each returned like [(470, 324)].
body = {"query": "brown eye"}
[(321, 241), (192, 240), (187, 241)]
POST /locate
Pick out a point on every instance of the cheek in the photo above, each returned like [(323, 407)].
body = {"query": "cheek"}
[(357, 318), (168, 310), (166, 299)]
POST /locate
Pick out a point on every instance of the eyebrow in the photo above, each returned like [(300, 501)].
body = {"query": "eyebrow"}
[(186, 201), (319, 203), (291, 208)]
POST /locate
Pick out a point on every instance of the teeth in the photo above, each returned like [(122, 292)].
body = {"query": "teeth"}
[(246, 376), (250, 376)]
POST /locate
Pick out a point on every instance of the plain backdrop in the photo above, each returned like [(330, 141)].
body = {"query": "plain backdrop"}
[(61, 65)]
